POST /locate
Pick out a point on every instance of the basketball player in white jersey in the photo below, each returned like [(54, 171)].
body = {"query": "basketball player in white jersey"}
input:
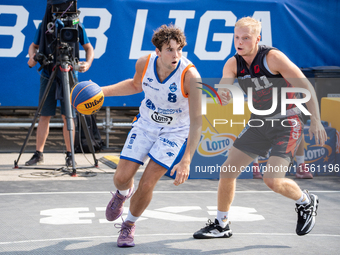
[(161, 129)]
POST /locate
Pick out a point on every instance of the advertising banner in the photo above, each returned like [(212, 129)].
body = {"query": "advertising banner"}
[(321, 160), (121, 30)]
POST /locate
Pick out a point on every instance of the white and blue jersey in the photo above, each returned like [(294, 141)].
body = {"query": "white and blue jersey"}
[(165, 103), (161, 128)]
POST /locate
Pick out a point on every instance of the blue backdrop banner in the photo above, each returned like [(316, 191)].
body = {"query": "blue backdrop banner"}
[(121, 30)]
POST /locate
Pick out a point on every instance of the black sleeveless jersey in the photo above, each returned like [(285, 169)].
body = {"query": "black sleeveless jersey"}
[(261, 81)]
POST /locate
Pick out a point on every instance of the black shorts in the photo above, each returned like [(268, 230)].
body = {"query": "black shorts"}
[(282, 136)]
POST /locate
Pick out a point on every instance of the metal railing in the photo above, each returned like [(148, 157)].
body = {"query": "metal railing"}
[(107, 124)]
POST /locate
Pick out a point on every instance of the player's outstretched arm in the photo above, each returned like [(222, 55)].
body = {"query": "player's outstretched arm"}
[(129, 86), (229, 75)]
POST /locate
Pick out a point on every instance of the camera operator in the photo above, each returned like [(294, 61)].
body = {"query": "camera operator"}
[(46, 42)]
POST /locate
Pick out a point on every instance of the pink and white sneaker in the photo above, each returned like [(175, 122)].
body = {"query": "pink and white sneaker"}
[(127, 233), (115, 207)]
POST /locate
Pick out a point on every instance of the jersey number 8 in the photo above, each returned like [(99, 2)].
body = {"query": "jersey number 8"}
[(172, 97)]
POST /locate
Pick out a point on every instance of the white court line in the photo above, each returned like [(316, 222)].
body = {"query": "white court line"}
[(155, 235), (157, 192)]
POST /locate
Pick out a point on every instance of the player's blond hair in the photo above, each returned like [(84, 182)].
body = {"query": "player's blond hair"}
[(250, 22), (165, 33)]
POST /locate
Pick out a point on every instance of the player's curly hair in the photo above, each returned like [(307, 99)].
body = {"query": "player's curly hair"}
[(165, 33)]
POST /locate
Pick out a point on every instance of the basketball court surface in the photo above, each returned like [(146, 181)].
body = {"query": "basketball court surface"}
[(48, 212)]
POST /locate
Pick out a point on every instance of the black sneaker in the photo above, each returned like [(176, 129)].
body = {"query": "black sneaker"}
[(306, 215), (37, 159), (68, 159), (213, 230)]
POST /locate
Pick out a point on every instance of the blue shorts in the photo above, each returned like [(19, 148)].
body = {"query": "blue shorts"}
[(50, 105)]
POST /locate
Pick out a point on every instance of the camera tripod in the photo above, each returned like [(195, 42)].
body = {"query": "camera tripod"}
[(64, 64)]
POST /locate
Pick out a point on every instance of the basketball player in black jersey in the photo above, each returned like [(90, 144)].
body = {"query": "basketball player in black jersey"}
[(264, 68)]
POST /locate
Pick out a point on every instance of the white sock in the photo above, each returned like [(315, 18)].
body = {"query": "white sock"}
[(300, 160), (304, 199), (124, 192), (256, 160), (131, 218), (222, 218)]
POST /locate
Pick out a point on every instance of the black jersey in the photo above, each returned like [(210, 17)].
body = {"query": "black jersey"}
[(262, 81)]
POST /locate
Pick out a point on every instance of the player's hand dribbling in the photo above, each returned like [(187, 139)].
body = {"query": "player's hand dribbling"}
[(182, 175)]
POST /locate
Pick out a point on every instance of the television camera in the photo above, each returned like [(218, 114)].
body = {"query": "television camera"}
[(65, 19), (62, 43), (64, 28)]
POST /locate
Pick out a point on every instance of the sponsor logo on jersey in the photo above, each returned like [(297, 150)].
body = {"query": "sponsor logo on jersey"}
[(132, 138), (173, 87), (170, 154), (244, 77), (257, 69), (150, 104), (169, 111), (148, 85), (149, 79), (168, 142), (162, 119), (296, 130)]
